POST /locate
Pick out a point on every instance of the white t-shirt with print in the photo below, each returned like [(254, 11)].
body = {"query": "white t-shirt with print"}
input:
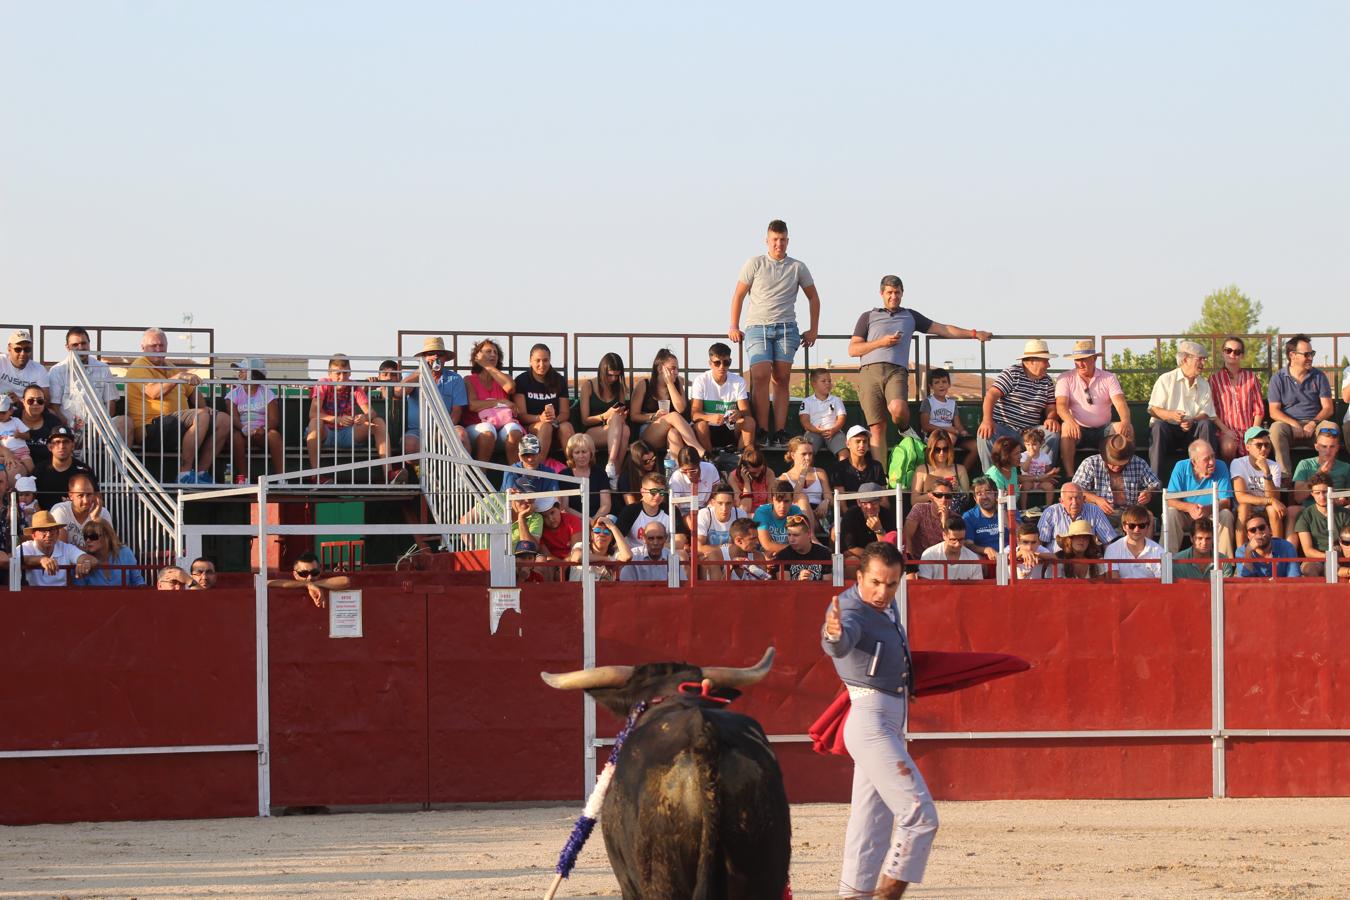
[(718, 398), (708, 476), (1243, 468), (713, 533), (822, 413)]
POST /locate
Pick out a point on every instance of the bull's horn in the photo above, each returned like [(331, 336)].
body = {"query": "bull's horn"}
[(727, 677), (587, 679)]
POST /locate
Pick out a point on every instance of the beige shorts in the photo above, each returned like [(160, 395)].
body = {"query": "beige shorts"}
[(878, 385)]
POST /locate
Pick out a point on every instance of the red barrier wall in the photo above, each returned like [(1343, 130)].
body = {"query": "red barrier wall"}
[(429, 707), (127, 668)]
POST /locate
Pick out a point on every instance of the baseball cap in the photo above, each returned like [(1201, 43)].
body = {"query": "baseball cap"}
[(250, 364), (5, 402), (524, 547), (60, 431), (543, 504), (1254, 432), (529, 444), (855, 431), (20, 336)]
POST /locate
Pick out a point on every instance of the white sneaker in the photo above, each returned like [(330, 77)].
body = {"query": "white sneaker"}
[(613, 475)]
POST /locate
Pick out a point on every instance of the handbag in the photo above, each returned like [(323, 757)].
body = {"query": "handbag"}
[(497, 416)]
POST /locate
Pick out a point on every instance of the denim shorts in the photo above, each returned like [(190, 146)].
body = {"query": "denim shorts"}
[(340, 438), (772, 343)]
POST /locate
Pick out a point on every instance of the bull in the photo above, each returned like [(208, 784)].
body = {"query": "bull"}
[(696, 808)]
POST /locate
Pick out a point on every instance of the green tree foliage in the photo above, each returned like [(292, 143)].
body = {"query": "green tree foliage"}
[(843, 388), (1228, 311), (1138, 371)]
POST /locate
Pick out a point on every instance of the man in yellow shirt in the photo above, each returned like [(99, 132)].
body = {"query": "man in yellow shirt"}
[(163, 400)]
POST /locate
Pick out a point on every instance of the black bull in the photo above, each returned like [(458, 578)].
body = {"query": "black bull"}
[(696, 808)]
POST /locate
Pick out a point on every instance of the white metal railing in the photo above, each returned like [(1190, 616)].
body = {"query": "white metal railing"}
[(897, 493), (141, 510), (451, 488), (1213, 493)]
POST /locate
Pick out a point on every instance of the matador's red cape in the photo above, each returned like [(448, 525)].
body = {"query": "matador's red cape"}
[(935, 672)]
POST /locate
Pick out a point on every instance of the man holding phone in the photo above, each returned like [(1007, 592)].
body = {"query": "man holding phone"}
[(721, 403), (893, 818)]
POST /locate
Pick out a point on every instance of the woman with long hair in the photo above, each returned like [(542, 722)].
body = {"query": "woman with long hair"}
[(542, 403), (939, 468), (753, 480), (640, 462), (811, 483), (100, 542), (604, 410), (492, 417), (660, 403), (608, 546), (38, 421)]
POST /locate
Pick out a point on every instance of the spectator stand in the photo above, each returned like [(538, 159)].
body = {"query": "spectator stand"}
[(107, 342), (342, 556), (515, 346)]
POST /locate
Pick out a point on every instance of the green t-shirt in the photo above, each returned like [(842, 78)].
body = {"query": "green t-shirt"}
[(534, 523), (1314, 521), (1195, 570), (1340, 472)]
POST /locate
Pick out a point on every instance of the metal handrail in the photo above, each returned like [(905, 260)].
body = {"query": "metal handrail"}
[(141, 508), (96, 333), (450, 489)]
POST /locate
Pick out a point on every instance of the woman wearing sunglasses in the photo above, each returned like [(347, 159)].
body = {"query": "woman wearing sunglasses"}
[(38, 421), (939, 470), (100, 541), (607, 546)]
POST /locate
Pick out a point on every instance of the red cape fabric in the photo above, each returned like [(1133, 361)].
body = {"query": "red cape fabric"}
[(935, 672)]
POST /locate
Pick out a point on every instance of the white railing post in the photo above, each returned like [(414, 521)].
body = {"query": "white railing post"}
[(260, 629), (837, 579)]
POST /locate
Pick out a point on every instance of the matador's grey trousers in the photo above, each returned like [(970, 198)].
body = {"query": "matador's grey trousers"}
[(893, 819)]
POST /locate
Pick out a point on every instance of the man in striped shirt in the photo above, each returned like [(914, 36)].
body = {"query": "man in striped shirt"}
[(1022, 396), (1071, 507)]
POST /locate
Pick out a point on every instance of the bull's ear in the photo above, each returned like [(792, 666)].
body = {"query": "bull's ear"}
[(612, 699)]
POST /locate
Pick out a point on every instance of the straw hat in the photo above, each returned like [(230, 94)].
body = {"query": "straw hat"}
[(1078, 528), (437, 346), (1084, 349), (1036, 349), (42, 519)]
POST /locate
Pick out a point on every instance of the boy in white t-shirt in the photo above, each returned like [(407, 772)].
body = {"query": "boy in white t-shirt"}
[(823, 415), (720, 403), (715, 519)]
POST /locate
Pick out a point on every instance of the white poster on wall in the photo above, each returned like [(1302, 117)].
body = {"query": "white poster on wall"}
[(344, 614)]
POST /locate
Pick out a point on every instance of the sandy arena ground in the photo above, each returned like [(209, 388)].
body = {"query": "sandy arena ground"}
[(1191, 848)]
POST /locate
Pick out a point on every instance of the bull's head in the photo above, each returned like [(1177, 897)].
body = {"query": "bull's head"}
[(619, 688)]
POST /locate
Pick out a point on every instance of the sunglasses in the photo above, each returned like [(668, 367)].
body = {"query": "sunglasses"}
[(937, 496), (1307, 354), (796, 520), (35, 401), (599, 529), (23, 349), (92, 535), (719, 363), (942, 448), (1231, 351), (306, 573), (1135, 526), (654, 492), (1258, 529)]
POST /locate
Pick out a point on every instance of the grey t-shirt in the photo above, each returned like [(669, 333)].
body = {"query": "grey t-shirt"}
[(773, 287), (879, 322)]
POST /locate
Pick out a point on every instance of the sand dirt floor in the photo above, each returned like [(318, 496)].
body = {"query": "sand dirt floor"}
[(1189, 848)]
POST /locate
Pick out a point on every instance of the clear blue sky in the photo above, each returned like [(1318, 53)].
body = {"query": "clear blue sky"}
[(309, 177)]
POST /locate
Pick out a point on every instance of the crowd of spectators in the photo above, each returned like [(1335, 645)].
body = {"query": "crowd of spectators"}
[(753, 501)]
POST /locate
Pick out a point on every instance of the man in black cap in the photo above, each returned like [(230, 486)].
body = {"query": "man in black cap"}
[(53, 477)]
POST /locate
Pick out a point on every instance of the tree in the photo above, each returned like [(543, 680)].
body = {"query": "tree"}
[(1228, 311), (1138, 371)]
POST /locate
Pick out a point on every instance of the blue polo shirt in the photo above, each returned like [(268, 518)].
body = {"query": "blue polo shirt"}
[(1183, 479), (453, 392), (1299, 401)]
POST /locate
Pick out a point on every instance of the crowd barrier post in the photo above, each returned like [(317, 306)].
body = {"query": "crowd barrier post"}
[(837, 558), (840, 497), (1007, 514), (1213, 493), (1333, 534), (15, 558), (673, 505)]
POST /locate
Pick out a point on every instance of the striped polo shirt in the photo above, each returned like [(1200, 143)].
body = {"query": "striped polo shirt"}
[(1024, 400), (875, 324)]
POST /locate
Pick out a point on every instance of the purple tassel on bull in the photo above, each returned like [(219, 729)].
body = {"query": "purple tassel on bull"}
[(581, 831)]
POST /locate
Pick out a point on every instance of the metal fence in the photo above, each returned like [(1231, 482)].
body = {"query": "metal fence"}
[(118, 343)]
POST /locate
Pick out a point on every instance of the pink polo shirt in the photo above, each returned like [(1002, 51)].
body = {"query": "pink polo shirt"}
[(1101, 389)]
